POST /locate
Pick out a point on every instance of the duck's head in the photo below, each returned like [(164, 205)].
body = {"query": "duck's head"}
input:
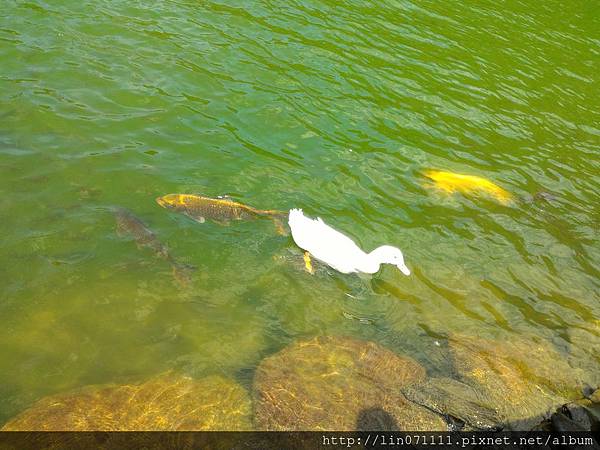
[(392, 255)]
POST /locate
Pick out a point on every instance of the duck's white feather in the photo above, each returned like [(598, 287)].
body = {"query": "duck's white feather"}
[(334, 248)]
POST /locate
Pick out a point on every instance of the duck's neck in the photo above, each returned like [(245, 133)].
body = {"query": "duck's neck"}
[(371, 262)]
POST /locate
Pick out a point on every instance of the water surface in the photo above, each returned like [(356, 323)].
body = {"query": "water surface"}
[(335, 107)]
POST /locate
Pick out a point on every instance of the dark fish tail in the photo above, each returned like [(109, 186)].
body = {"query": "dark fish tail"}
[(182, 273)]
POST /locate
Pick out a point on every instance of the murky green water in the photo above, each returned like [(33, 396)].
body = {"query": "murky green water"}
[(335, 107)]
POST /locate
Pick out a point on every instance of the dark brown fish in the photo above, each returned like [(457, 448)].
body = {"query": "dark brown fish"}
[(129, 224), (218, 210)]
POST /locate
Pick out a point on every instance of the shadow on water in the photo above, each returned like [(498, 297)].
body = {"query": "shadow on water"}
[(375, 419)]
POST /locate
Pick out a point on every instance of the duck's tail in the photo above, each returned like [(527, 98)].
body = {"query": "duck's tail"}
[(295, 217)]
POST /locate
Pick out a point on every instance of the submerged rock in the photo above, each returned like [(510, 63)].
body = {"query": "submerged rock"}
[(333, 383), (595, 396), (522, 378), (457, 400), (165, 402), (573, 416), (581, 415), (584, 351)]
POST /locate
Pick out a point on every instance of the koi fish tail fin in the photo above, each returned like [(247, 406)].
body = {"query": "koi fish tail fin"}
[(279, 225), (182, 273)]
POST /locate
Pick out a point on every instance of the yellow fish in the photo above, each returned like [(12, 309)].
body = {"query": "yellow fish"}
[(450, 182)]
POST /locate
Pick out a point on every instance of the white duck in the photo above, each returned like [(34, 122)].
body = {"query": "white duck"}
[(337, 250)]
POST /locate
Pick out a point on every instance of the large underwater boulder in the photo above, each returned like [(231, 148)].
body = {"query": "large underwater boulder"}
[(165, 402), (465, 405), (523, 379), (335, 383)]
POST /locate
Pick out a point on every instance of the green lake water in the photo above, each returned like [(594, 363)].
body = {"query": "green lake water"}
[(334, 107)]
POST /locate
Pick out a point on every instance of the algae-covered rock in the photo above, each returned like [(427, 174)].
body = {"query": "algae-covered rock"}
[(166, 402), (578, 416), (578, 412), (584, 351), (330, 383), (524, 379), (455, 399)]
